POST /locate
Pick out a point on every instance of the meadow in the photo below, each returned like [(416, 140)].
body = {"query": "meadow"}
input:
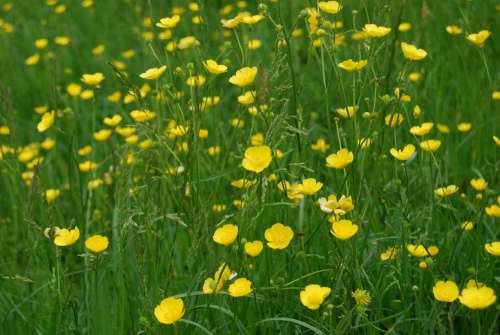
[(272, 167)]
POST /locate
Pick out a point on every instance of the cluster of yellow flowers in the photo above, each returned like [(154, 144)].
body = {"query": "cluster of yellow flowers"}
[(222, 114)]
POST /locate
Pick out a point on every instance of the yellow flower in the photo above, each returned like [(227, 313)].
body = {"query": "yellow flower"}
[(64, 237), (347, 112), (446, 191), (112, 121), (87, 94), (479, 184), (142, 115), (62, 40), (226, 234), (411, 52), (97, 243), (253, 249), (48, 143), (153, 73), (240, 288), (445, 291), (417, 250), (4, 130), (41, 109), (32, 60), (252, 19), (404, 154), (479, 38), (330, 7), (257, 158), (102, 135), (430, 145), (74, 89), (87, 166), (477, 297), (320, 145), (344, 229), (309, 186), (215, 284), (247, 98), (495, 95), (312, 296), (52, 194), (390, 253), (464, 127), (404, 27), (362, 297), (350, 65), (169, 22), (442, 128), (198, 80), (213, 67), (467, 225), (278, 236), (453, 30), (493, 248), (169, 310), (496, 140), (244, 76), (92, 79), (394, 119), (493, 210), (423, 129), (243, 183), (41, 43), (46, 122), (373, 30), (84, 151), (339, 160)]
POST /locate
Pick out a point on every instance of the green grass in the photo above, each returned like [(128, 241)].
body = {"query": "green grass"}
[(160, 225)]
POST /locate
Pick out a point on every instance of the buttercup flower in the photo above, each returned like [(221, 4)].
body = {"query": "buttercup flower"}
[(97, 243), (411, 52), (312, 296), (493, 248), (169, 22), (93, 79), (169, 310), (347, 112), (373, 30), (445, 291), (404, 154), (226, 234), (253, 249), (310, 186), (340, 160), (278, 236), (52, 194), (65, 237), (350, 65), (479, 38), (430, 145), (453, 30), (153, 73), (344, 229), (475, 297), (417, 250), (479, 184), (330, 7), (446, 191), (244, 76), (213, 67), (240, 288), (46, 122), (257, 159)]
